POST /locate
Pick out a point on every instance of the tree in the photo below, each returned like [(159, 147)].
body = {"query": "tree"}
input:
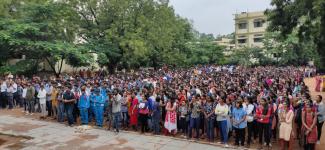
[(304, 19), (44, 30)]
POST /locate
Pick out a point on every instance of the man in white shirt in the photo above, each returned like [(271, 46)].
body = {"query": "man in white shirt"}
[(42, 100)]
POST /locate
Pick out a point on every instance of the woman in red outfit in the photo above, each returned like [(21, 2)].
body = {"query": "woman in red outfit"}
[(309, 119), (133, 110), (263, 113)]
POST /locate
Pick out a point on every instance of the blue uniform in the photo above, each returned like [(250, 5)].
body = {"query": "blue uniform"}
[(99, 102), (91, 111), (83, 105)]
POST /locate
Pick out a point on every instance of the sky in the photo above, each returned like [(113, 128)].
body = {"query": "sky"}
[(216, 16)]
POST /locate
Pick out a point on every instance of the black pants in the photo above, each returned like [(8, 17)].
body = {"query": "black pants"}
[(264, 129), (3, 99), (183, 125), (143, 118), (310, 146), (256, 128), (250, 130), (319, 129), (240, 136), (49, 108)]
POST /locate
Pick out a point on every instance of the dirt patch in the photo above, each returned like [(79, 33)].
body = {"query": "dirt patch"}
[(12, 142), (88, 137), (118, 146), (22, 127)]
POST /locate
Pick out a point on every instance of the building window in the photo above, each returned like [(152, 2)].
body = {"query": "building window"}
[(258, 23), (242, 25), (258, 40), (241, 41)]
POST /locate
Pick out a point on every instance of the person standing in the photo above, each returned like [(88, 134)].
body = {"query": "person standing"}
[(156, 115), (286, 120), (69, 100), (99, 101), (83, 105), (116, 110), (318, 79), (171, 117), (309, 129), (23, 96), (60, 104), (48, 89), (3, 96), (54, 101), (222, 113), (30, 99), (42, 101), (124, 110), (10, 95), (263, 113), (250, 119), (210, 118), (133, 110), (239, 123), (320, 116), (144, 113)]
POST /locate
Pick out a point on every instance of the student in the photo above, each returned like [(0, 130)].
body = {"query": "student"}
[(183, 115), (309, 120), (99, 101), (263, 113), (30, 99), (239, 123), (133, 110), (69, 100), (143, 113), (156, 115), (23, 96), (42, 101), (320, 115), (210, 118), (195, 109), (250, 119), (116, 110), (171, 117), (83, 105), (285, 129), (222, 112)]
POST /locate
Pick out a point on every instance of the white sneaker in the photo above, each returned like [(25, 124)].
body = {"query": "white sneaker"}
[(318, 142), (226, 145)]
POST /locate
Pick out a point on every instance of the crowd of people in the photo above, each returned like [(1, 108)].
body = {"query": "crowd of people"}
[(205, 102)]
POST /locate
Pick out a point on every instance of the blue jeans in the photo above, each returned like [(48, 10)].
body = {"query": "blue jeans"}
[(223, 130), (124, 119), (60, 112), (116, 120), (210, 128), (99, 114), (91, 112), (194, 123), (84, 115), (69, 109)]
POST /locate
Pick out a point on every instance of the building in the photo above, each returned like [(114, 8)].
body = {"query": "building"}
[(250, 28), (229, 45)]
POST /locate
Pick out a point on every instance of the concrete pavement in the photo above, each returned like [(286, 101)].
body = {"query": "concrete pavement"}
[(35, 134)]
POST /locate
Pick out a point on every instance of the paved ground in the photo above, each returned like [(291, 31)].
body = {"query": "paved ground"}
[(33, 134)]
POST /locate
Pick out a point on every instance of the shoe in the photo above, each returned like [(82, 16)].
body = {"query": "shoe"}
[(270, 145), (226, 146)]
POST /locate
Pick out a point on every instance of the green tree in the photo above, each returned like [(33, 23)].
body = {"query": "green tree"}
[(304, 19)]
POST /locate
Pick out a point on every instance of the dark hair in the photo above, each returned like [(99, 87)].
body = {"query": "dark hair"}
[(265, 107), (240, 104), (321, 97)]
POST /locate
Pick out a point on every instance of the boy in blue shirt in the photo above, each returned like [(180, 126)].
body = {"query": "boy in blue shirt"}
[(83, 105)]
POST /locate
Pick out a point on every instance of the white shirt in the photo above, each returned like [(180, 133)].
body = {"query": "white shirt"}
[(221, 112), (24, 93), (15, 87), (249, 110), (42, 96), (3, 87)]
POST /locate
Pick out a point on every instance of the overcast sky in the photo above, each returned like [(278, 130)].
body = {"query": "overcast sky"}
[(216, 16)]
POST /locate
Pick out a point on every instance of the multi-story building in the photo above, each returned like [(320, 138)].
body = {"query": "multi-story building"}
[(250, 28), (228, 45)]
